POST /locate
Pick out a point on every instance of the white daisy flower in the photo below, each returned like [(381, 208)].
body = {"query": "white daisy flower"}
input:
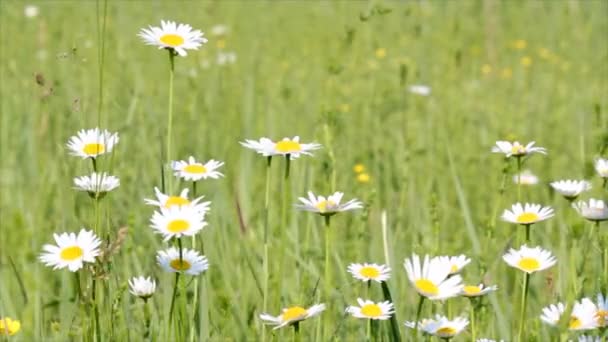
[(178, 221), (166, 201), (31, 11), (525, 177), (371, 310), (443, 327), (292, 315), (190, 262), (457, 263), (431, 278), (529, 260), (327, 206), (287, 146), (602, 311), (420, 89), (97, 184), (368, 272), (477, 290), (421, 325), (173, 36), (585, 338), (192, 170), (601, 166), (594, 210), (527, 214), (71, 250), (226, 57), (142, 287), (582, 316), (570, 189), (92, 143), (516, 149)]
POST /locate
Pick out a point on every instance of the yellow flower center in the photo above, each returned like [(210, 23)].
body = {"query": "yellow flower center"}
[(518, 150), (176, 200), (323, 205), (427, 287), (294, 313), (454, 269), (527, 218), (71, 253), (446, 331), (369, 272), (574, 323), (180, 265), (371, 310), (195, 168), (9, 327), (178, 226), (172, 40), (93, 149), (288, 146), (602, 318), (528, 264), (471, 289)]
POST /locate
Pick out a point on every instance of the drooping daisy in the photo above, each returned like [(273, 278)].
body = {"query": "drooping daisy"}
[(527, 214), (457, 263), (192, 170), (166, 201), (443, 327), (601, 166), (71, 250), (369, 309), (525, 177), (516, 149), (190, 262), (92, 143), (9, 326), (178, 221), (97, 185), (594, 210), (368, 272), (529, 260), (602, 311), (581, 318), (431, 278), (288, 146), (477, 290), (327, 206), (570, 189), (142, 287), (173, 36), (292, 315)]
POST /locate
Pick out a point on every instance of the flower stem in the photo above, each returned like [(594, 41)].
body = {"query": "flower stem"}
[(396, 337), (173, 296), (147, 319), (522, 315), (417, 321), (265, 261), (528, 233), (170, 112), (296, 332), (518, 178), (369, 330), (327, 277), (100, 61), (472, 318)]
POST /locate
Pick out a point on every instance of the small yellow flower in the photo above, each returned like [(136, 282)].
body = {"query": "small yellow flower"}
[(486, 69), (526, 61), (520, 44), (363, 178), (221, 43), (380, 53), (506, 73), (9, 327), (359, 168)]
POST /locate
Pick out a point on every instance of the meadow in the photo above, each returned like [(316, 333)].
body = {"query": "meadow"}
[(336, 73)]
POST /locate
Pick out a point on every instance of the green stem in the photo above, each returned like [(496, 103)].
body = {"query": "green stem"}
[(195, 306), (265, 261), (328, 284), (147, 319), (296, 332), (522, 315), (95, 310), (396, 337), (286, 202), (173, 296), (101, 39), (418, 312), (369, 330), (518, 179), (528, 233), (170, 113), (472, 318)]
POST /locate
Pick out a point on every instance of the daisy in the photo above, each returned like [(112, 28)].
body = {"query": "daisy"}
[(72, 250), (516, 149), (92, 143), (192, 170), (525, 177), (31, 11), (477, 290), (602, 311), (601, 166), (443, 327), (585, 338), (570, 189), (581, 318), (431, 278), (142, 287), (529, 260), (420, 89), (166, 201), (371, 310), (9, 326), (178, 221), (456, 262), (173, 36), (190, 261), (287, 147), (527, 214), (594, 210), (97, 184), (368, 272), (327, 206), (292, 315)]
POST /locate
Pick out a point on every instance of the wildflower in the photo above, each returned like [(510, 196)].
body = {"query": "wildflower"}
[(601, 166), (456, 262), (166, 201), (97, 184), (440, 326), (9, 326), (142, 287), (72, 250), (585, 338), (286, 147), (380, 53), (363, 178), (477, 290), (602, 311), (431, 278), (178, 221), (31, 11), (292, 315), (368, 272), (525, 177), (594, 210), (92, 143), (192, 170), (327, 206), (526, 61), (582, 316), (173, 36), (420, 89), (371, 310), (529, 260), (519, 44), (190, 262), (359, 168), (527, 214), (570, 189), (516, 149)]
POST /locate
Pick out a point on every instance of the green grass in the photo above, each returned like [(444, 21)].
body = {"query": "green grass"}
[(307, 69)]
